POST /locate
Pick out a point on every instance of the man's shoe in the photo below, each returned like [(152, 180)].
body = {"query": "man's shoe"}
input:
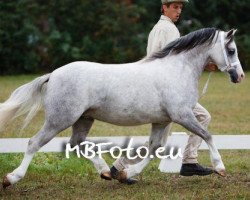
[(195, 169)]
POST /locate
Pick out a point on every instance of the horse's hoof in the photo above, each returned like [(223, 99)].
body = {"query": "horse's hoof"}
[(6, 182), (122, 176), (221, 173), (129, 181), (106, 176)]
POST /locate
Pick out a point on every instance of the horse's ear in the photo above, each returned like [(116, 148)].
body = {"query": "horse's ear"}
[(231, 33), (234, 31)]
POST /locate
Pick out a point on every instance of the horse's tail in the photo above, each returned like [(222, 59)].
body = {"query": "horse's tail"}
[(27, 98)]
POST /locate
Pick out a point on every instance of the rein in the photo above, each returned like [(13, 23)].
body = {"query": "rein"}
[(204, 90)]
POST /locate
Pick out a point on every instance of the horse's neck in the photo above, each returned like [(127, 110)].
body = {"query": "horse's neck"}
[(195, 61)]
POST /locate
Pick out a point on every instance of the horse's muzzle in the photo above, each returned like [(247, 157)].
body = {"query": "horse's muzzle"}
[(235, 78)]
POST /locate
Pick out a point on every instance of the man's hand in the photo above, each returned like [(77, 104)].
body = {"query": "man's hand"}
[(211, 67)]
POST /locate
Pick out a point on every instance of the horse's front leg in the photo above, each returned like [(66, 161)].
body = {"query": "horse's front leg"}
[(187, 119), (157, 139)]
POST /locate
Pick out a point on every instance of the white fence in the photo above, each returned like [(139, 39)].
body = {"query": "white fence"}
[(17, 145)]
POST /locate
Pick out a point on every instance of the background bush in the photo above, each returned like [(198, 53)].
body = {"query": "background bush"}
[(40, 36)]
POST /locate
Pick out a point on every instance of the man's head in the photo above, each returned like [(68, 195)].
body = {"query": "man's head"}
[(172, 8)]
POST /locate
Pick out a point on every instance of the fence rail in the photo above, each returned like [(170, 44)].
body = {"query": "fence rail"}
[(17, 145)]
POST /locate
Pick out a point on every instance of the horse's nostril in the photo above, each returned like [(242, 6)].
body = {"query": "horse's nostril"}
[(242, 75)]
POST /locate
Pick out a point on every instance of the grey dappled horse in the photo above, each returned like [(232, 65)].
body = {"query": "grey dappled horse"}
[(159, 89)]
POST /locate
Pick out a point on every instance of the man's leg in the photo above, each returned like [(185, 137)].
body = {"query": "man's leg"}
[(190, 164)]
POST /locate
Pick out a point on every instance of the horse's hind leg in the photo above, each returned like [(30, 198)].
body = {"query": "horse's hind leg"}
[(57, 120), (80, 131), (35, 143)]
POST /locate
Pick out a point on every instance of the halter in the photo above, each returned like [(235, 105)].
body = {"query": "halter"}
[(228, 65), (225, 68)]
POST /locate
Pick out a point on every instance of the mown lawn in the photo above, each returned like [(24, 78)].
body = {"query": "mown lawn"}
[(52, 176)]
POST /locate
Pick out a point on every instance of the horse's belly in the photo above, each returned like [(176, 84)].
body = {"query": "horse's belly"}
[(128, 118)]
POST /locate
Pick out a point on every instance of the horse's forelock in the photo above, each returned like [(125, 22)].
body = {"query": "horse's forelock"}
[(187, 42)]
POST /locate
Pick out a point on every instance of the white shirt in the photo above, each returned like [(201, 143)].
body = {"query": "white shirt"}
[(162, 34)]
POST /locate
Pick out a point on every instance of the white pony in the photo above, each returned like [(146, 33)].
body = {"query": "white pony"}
[(159, 89)]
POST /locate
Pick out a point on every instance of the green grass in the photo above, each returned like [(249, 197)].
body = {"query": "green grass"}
[(52, 176), (228, 104)]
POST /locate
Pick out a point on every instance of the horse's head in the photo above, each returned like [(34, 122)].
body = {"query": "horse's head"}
[(225, 55)]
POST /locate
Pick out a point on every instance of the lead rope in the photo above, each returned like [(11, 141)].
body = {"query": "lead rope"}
[(206, 85)]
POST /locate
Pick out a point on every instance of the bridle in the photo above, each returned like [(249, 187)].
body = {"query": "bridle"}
[(228, 65), (224, 68)]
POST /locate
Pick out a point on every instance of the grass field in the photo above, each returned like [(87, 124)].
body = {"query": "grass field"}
[(52, 176)]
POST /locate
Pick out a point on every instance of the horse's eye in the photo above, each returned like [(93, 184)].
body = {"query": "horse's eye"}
[(231, 51)]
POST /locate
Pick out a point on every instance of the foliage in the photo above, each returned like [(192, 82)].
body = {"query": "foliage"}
[(40, 36), (43, 35), (224, 15)]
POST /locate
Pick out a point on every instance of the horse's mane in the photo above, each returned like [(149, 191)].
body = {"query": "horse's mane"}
[(186, 42)]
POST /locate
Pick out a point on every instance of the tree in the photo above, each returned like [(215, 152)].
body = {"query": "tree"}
[(40, 36), (224, 15)]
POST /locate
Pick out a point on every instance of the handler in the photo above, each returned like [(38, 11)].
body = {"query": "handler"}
[(164, 32), (161, 35)]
